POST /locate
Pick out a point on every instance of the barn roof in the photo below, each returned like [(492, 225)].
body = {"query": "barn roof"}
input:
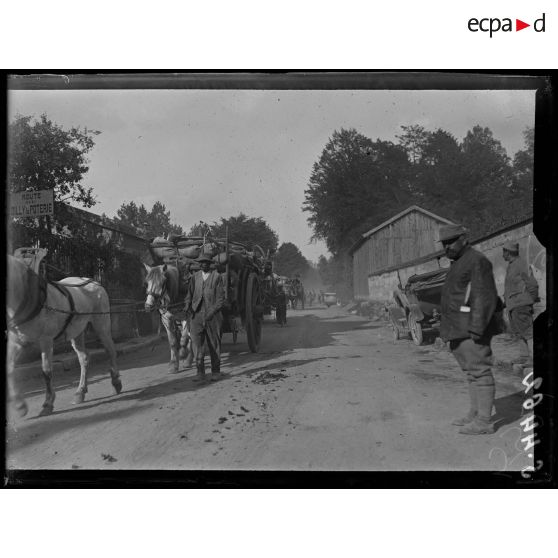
[(366, 235)]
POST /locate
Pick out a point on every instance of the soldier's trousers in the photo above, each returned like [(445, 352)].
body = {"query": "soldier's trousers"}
[(521, 322), (475, 359)]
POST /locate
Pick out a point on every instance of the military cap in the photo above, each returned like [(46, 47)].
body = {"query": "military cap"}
[(448, 232), (204, 258), (511, 247)]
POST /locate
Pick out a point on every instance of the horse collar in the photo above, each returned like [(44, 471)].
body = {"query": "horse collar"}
[(21, 319)]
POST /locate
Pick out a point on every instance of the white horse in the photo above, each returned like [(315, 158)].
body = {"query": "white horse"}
[(164, 293), (41, 312)]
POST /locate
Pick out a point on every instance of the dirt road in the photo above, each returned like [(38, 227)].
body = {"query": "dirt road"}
[(330, 391)]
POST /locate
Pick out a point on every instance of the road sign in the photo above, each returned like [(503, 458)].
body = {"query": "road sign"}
[(31, 204)]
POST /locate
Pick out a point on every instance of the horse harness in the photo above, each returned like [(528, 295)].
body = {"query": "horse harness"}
[(70, 298), (23, 315), (43, 284)]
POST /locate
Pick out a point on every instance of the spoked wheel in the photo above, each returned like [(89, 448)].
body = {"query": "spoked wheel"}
[(416, 330), (254, 310)]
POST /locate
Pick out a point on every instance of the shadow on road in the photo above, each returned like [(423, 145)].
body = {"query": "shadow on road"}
[(98, 371), (305, 331), (48, 427), (508, 409)]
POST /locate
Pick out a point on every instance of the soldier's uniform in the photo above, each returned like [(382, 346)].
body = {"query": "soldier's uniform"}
[(468, 303), (519, 302)]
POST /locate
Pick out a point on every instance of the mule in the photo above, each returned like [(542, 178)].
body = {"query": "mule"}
[(41, 311), (166, 292)]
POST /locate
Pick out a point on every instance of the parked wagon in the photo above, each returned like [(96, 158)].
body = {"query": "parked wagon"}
[(417, 308), (243, 272)]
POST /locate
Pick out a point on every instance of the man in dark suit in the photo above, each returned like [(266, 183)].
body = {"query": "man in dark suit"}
[(204, 300), (468, 304)]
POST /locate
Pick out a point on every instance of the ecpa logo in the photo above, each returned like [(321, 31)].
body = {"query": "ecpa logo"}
[(494, 24)]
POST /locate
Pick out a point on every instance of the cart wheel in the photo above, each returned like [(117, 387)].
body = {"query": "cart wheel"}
[(416, 330), (253, 319)]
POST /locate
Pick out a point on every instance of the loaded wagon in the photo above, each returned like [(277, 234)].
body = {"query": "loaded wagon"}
[(417, 308), (241, 268)]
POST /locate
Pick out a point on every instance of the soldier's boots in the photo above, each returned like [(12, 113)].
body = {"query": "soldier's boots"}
[(482, 423), (473, 410)]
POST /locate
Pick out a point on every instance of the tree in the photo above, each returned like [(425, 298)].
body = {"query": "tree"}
[(155, 222), (44, 156), (200, 229), (336, 275), (437, 173), (289, 261), (485, 196), (248, 231), (413, 140), (523, 162), (355, 183)]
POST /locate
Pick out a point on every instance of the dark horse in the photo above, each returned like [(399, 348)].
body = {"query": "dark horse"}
[(296, 293), (164, 292)]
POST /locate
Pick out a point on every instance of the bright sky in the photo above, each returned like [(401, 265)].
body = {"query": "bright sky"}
[(215, 153)]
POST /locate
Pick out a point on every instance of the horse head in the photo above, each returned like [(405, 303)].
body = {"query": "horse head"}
[(156, 281), (19, 285)]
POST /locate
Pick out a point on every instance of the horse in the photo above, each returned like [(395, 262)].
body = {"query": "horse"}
[(295, 293), (41, 311), (163, 292)]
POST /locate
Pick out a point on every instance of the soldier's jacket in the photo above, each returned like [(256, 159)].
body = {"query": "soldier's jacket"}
[(516, 286), (472, 267)]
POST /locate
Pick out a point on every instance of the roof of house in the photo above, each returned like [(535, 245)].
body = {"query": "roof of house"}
[(366, 235)]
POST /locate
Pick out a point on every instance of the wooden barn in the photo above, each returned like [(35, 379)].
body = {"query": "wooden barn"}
[(407, 238)]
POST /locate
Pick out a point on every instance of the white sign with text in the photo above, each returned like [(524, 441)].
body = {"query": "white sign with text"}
[(32, 204)]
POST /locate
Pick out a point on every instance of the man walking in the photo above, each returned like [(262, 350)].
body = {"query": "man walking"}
[(204, 301), (520, 294), (468, 302)]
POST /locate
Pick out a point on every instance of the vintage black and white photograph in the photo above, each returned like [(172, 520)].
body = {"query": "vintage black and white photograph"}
[(248, 274)]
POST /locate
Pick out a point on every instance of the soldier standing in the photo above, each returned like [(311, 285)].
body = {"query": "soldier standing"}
[(469, 299), (520, 294)]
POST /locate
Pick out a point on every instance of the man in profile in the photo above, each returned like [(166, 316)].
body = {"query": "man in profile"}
[(469, 300)]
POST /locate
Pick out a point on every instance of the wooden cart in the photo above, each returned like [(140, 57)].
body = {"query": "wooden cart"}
[(241, 268)]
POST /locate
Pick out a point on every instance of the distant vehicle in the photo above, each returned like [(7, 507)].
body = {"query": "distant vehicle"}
[(330, 299)]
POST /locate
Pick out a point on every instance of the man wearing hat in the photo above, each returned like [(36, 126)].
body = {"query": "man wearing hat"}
[(204, 300), (468, 302), (520, 293)]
